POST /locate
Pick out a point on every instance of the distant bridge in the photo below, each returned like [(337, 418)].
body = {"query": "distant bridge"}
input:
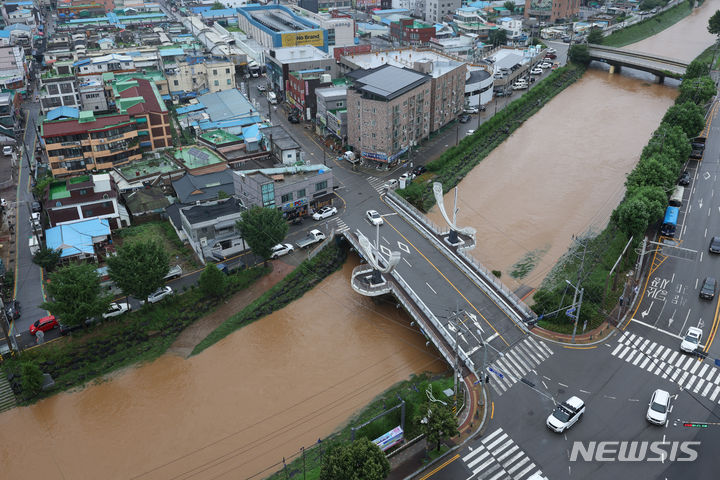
[(660, 66)]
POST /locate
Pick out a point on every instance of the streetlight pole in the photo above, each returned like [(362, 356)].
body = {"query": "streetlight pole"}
[(576, 306)]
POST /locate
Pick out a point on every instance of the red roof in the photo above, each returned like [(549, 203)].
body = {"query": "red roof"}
[(72, 127), (145, 90)]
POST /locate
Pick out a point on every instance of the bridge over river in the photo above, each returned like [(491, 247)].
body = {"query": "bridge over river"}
[(647, 62)]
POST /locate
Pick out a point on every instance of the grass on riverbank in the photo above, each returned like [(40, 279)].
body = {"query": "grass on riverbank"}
[(649, 27), (412, 391), (708, 56), (162, 233), (118, 342), (293, 286)]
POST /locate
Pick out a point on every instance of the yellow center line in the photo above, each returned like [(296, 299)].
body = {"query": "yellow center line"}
[(574, 347), (441, 467), (714, 328), (448, 281), (637, 307), (492, 410)]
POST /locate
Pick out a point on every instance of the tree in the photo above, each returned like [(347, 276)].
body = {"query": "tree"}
[(437, 422), (359, 460), (509, 5), (579, 54), (595, 36), (633, 216), (262, 228), (688, 116), (655, 199), (31, 379), (217, 6), (41, 185), (697, 68), (697, 90), (76, 294), (47, 258), (222, 195), (212, 281), (669, 140), (655, 171), (714, 23), (497, 37), (139, 268)]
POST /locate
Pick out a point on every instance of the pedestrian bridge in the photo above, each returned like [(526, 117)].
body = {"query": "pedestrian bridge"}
[(461, 307), (647, 62)]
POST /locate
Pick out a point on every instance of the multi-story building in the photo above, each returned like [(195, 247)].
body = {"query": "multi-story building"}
[(58, 88), (276, 26), (280, 62), (199, 75), (92, 96), (340, 29), (437, 10), (408, 31), (331, 117), (292, 190), (23, 12), (92, 68), (388, 111), (447, 77), (211, 228), (301, 91), (140, 98), (77, 142), (317, 6), (551, 10), (12, 68), (472, 20), (81, 198)]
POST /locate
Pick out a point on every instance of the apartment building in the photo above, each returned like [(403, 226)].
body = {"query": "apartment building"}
[(192, 76), (82, 198), (388, 111), (551, 10), (58, 88), (437, 10)]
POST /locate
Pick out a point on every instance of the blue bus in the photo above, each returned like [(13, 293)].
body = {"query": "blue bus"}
[(670, 222)]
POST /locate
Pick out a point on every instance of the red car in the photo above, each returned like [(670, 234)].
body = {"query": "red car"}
[(44, 324), (551, 56)]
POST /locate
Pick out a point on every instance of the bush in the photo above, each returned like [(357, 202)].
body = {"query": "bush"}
[(689, 116), (31, 379)]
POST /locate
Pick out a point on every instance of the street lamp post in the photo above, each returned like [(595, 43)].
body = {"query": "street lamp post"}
[(576, 306)]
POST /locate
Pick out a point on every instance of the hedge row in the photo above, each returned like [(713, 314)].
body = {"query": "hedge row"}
[(115, 343), (293, 286), (648, 187), (458, 161)]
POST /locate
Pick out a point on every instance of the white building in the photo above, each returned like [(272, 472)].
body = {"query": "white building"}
[(437, 10)]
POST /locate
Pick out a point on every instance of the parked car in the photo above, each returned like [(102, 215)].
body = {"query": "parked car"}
[(324, 212), (66, 329), (12, 310), (658, 407), (464, 118), (36, 208), (374, 217), (707, 290), (551, 56), (565, 415), (419, 170), (715, 245), (470, 132), (471, 110), (406, 177), (44, 324), (551, 50), (520, 85), (159, 294), (691, 340), (684, 179), (174, 272), (536, 71), (281, 249), (545, 65), (261, 87), (293, 118), (116, 309), (7, 150)]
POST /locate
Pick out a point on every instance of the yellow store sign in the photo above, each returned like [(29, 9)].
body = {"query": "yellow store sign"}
[(314, 38)]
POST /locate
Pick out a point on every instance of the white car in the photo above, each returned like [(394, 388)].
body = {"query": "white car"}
[(520, 85), (7, 151), (281, 249), (691, 340), (565, 414), (374, 217), (536, 71), (471, 110), (116, 309), (159, 294), (659, 407), (551, 50), (470, 132), (324, 212), (545, 65)]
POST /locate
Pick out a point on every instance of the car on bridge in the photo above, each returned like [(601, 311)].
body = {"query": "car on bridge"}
[(691, 341), (658, 407), (566, 414)]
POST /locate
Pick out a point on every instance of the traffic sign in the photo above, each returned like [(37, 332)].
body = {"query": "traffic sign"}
[(496, 372), (717, 362)]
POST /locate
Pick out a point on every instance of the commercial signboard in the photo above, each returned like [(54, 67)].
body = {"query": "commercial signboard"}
[(297, 39), (389, 439)]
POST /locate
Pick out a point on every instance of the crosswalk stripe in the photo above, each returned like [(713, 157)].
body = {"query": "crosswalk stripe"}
[(644, 362), (643, 344), (672, 357), (688, 363), (499, 439), (715, 394), (536, 355), (640, 356), (488, 472), (624, 352), (499, 389), (667, 352), (518, 465), (703, 369), (630, 339), (712, 372), (660, 348), (696, 366), (650, 348), (482, 467), (632, 355), (472, 454), (617, 348), (684, 376), (520, 475), (498, 475), (543, 345), (479, 459), (677, 371), (707, 389), (699, 385), (509, 452), (531, 358), (493, 435), (514, 365)]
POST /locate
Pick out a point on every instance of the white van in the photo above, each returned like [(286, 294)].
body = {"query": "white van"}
[(272, 98), (676, 199)]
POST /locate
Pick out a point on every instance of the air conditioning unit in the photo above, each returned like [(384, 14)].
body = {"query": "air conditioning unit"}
[(61, 157)]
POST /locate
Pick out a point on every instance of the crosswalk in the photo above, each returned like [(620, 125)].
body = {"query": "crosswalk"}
[(517, 362), (498, 457), (377, 183), (687, 371), (341, 226)]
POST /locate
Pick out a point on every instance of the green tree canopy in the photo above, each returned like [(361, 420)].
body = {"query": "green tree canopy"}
[(655, 198), (633, 216), (714, 23), (595, 36), (139, 268), (668, 140), (509, 5), (497, 37), (688, 116), (262, 229), (217, 6), (437, 422), (359, 460), (697, 90), (31, 379), (47, 258), (212, 281), (76, 294), (697, 68), (655, 171), (579, 54)]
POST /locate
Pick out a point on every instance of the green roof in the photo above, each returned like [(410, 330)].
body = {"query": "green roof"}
[(59, 190), (86, 116), (195, 157), (219, 137)]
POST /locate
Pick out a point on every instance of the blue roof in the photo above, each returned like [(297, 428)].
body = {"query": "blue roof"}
[(312, 70), (171, 52), (106, 40), (60, 112), (223, 12), (4, 34), (190, 108), (479, 4), (19, 26), (506, 19), (207, 125), (76, 238), (251, 133), (391, 10)]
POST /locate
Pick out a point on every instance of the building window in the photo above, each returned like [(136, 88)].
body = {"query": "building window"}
[(288, 197), (301, 194), (214, 72), (228, 81), (175, 83), (227, 70), (268, 194), (321, 186), (217, 83)]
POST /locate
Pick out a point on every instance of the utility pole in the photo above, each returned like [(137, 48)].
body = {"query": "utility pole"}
[(5, 325)]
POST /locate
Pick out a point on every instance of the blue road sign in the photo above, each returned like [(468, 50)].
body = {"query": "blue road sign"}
[(569, 312), (496, 372), (717, 362)]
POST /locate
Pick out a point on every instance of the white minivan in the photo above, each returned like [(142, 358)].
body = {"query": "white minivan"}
[(272, 98)]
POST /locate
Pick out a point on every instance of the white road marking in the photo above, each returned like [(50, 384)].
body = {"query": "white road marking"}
[(433, 290), (409, 265), (656, 328), (562, 385)]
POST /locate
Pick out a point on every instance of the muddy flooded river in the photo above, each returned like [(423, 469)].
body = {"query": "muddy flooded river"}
[(232, 411)]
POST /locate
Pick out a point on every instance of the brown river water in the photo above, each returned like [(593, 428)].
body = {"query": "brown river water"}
[(563, 172), (295, 376), (232, 411)]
